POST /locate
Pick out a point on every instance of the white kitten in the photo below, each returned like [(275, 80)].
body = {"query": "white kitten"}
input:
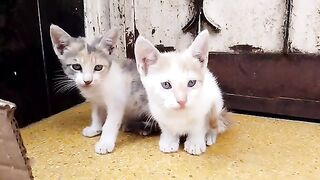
[(111, 85), (182, 93)]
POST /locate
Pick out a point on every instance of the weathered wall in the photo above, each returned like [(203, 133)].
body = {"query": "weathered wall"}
[(161, 21), (257, 23), (256, 26), (305, 26), (101, 15)]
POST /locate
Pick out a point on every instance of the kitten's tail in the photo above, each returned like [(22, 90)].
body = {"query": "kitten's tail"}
[(222, 121)]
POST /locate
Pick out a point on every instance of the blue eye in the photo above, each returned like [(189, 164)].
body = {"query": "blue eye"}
[(166, 85), (191, 83), (98, 67), (76, 67)]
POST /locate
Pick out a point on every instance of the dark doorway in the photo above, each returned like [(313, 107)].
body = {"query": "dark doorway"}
[(27, 62)]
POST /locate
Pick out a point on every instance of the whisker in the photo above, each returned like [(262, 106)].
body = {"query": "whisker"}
[(60, 89), (72, 87), (61, 78), (59, 70), (66, 85), (59, 75), (63, 89), (149, 121), (61, 83)]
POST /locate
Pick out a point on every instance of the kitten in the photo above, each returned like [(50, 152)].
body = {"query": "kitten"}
[(184, 97), (111, 85)]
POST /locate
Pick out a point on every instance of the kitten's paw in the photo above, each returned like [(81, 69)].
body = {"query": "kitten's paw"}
[(168, 146), (145, 132), (211, 137), (90, 131), (104, 147), (194, 148)]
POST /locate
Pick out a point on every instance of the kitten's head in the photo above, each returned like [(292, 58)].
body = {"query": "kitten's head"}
[(85, 63), (173, 80)]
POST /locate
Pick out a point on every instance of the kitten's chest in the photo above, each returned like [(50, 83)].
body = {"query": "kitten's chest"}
[(94, 94), (180, 123)]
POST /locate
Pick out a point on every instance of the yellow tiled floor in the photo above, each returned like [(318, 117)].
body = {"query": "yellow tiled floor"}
[(254, 148)]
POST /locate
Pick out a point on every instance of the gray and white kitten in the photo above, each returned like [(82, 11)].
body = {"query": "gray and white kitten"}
[(111, 85)]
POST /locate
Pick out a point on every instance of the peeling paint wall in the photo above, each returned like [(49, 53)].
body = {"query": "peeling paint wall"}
[(97, 17), (161, 21), (101, 15), (118, 19), (247, 26), (256, 23), (304, 33)]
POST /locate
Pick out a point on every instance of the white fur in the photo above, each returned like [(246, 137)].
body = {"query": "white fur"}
[(154, 68), (109, 89), (112, 93)]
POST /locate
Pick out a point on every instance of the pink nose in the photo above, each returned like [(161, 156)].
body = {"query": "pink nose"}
[(182, 103), (87, 82)]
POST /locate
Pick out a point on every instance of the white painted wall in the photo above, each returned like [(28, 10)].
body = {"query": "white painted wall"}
[(247, 22), (161, 21), (101, 15), (304, 31), (97, 17), (258, 23)]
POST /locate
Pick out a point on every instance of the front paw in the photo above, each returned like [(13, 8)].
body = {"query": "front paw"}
[(104, 147), (91, 131), (195, 148), (167, 146), (211, 137)]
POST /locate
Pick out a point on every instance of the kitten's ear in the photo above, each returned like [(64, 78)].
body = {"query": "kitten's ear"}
[(109, 40), (199, 47), (60, 40), (146, 54)]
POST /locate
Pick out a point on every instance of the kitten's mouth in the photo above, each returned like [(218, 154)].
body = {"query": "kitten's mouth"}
[(180, 108), (86, 85)]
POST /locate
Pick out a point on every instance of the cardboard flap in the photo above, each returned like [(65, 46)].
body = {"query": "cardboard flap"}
[(13, 161)]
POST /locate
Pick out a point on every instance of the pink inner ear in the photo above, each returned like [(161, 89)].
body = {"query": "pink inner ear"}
[(61, 47), (199, 57), (146, 63), (108, 42), (55, 36), (146, 54), (145, 66), (199, 47)]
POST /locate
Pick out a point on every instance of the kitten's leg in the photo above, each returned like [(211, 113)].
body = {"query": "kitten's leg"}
[(195, 143), (98, 115), (168, 142), (111, 127), (211, 136)]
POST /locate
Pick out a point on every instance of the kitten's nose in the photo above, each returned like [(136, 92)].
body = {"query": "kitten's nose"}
[(87, 82), (182, 103)]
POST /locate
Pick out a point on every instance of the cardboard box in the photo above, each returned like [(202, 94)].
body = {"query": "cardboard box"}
[(13, 161)]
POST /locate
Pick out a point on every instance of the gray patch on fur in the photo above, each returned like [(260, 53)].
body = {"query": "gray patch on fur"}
[(128, 65), (94, 45), (143, 98), (90, 49), (73, 52), (136, 86)]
